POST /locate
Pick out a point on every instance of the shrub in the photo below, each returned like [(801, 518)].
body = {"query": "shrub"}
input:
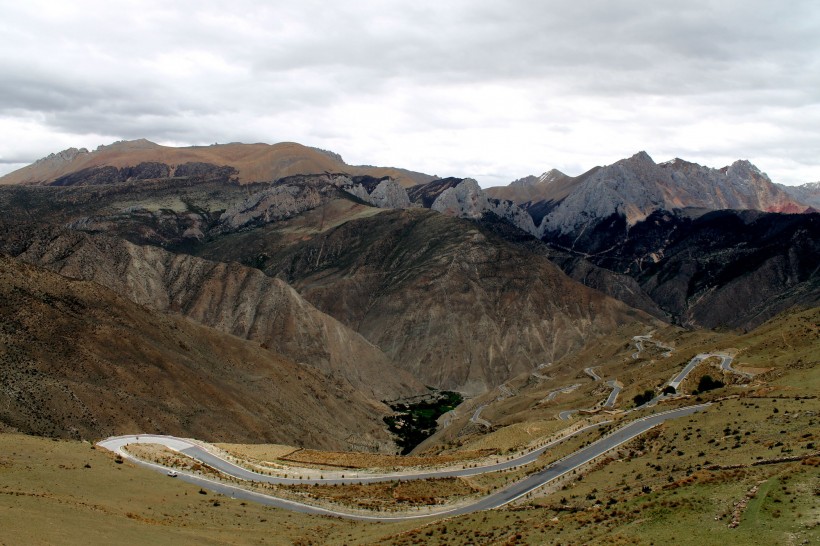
[(706, 383), (642, 399)]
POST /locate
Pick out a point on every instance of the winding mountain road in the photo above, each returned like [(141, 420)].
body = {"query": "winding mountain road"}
[(591, 372), (476, 417), (563, 390), (678, 379), (726, 365), (616, 387), (639, 341), (494, 500)]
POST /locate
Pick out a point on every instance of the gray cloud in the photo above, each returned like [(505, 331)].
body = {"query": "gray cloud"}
[(502, 89)]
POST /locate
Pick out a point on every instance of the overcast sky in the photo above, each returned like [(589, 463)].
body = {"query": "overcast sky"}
[(494, 90)]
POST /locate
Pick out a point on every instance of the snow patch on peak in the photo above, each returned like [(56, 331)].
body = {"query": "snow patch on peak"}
[(551, 176)]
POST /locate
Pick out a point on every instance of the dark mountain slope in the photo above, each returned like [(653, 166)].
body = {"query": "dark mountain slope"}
[(723, 268)]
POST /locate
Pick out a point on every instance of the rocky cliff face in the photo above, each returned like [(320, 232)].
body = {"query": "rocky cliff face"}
[(388, 194), (467, 200), (634, 188), (229, 297), (807, 193), (564, 207), (279, 201), (384, 192), (294, 195)]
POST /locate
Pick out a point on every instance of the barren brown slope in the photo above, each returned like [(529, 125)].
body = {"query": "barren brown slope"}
[(453, 304), (254, 162), (77, 360), (235, 299)]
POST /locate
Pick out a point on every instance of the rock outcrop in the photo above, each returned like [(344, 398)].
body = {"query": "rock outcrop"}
[(389, 195), (468, 200), (283, 200), (293, 195)]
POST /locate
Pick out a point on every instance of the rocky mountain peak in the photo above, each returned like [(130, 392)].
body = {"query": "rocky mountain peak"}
[(389, 194), (465, 200), (552, 175), (525, 182), (744, 170), (384, 193), (468, 200), (124, 145), (641, 157), (66, 156), (637, 186), (548, 177)]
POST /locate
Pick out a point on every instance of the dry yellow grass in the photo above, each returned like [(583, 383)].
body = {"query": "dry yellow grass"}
[(390, 496), (257, 452), (372, 460)]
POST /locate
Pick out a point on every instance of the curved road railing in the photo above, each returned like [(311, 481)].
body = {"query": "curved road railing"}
[(497, 499)]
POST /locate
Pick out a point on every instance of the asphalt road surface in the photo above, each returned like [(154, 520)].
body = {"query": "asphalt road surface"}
[(675, 383), (613, 396), (500, 498), (591, 372)]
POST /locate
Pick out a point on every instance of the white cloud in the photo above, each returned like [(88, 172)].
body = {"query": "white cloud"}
[(493, 90)]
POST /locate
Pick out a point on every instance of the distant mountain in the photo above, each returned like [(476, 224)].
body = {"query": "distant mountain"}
[(807, 193), (143, 160), (637, 186), (717, 268), (549, 177), (357, 248), (651, 235)]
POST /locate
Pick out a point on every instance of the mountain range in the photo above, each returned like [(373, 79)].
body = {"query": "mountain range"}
[(382, 282)]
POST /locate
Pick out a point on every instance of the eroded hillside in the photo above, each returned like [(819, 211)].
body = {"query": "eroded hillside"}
[(79, 361)]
